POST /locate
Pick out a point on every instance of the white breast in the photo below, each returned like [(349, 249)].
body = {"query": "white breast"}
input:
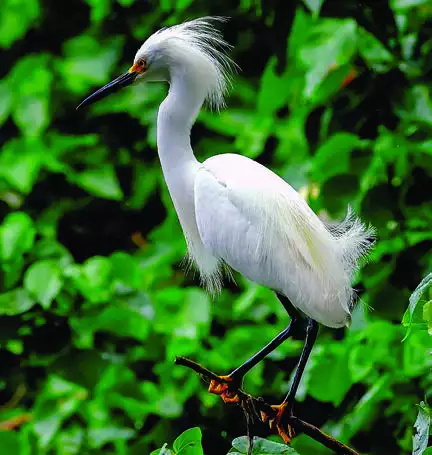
[(260, 226)]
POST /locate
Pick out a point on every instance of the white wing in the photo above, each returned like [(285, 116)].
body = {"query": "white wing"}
[(261, 227)]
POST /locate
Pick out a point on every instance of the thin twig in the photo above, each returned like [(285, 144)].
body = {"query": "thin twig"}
[(315, 433), (259, 404), (16, 398), (14, 422), (183, 361)]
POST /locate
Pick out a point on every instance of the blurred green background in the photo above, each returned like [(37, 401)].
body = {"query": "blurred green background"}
[(333, 95)]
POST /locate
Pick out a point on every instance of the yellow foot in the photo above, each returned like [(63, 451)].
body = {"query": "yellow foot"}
[(285, 430), (222, 388)]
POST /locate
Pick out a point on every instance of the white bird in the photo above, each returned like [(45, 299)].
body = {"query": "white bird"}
[(235, 212)]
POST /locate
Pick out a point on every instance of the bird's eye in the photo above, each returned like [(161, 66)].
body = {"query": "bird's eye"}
[(139, 66)]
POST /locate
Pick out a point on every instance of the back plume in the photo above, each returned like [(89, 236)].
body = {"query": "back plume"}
[(199, 47)]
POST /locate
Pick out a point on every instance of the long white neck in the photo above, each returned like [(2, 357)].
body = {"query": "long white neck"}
[(176, 117)]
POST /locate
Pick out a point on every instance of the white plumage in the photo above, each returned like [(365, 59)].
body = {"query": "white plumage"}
[(192, 47), (260, 226), (238, 214), (232, 210)]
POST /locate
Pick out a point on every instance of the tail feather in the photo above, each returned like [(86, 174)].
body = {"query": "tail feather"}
[(355, 242)]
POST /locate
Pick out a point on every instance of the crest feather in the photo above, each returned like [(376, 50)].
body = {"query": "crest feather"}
[(202, 48)]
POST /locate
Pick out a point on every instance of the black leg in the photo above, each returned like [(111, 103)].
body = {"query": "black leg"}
[(311, 336), (284, 411), (289, 307), (239, 372), (255, 359)]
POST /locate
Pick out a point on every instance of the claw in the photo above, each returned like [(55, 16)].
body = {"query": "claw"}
[(285, 430), (222, 388)]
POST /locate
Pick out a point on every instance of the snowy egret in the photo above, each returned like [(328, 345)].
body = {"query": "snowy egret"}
[(236, 213)]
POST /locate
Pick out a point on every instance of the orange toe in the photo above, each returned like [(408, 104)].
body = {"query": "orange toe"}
[(228, 397), (222, 389), (285, 431)]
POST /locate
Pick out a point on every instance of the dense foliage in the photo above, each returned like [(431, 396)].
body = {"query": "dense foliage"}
[(334, 96)]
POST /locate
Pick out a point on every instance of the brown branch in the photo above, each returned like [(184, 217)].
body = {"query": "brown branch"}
[(183, 361), (14, 422), (260, 405), (16, 398), (321, 437)]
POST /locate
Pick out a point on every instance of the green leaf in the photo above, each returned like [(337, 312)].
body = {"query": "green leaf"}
[(21, 174), (12, 271), (323, 47), (414, 300), (70, 441), (421, 429), (101, 181), (88, 62), (99, 9), (48, 248), (31, 76), (189, 322), (401, 5), (333, 157), (43, 281), (335, 81), (427, 315), (93, 279), (55, 403), (62, 143), (372, 349), (228, 123), (270, 84), (10, 442), (261, 447), (328, 365), (5, 101), (253, 137), (144, 184), (189, 443), (17, 235), (31, 115), (130, 317), (97, 437), (306, 445), (416, 354), (374, 52), (183, 4), (15, 302), (125, 269), (365, 410), (417, 106), (383, 155), (30, 82), (16, 17)]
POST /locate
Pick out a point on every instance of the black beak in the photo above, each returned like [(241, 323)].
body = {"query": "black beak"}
[(122, 81)]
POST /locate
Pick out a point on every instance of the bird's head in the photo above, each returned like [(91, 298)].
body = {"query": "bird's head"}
[(193, 51)]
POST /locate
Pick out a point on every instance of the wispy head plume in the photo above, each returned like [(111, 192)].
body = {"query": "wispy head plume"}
[(199, 46)]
